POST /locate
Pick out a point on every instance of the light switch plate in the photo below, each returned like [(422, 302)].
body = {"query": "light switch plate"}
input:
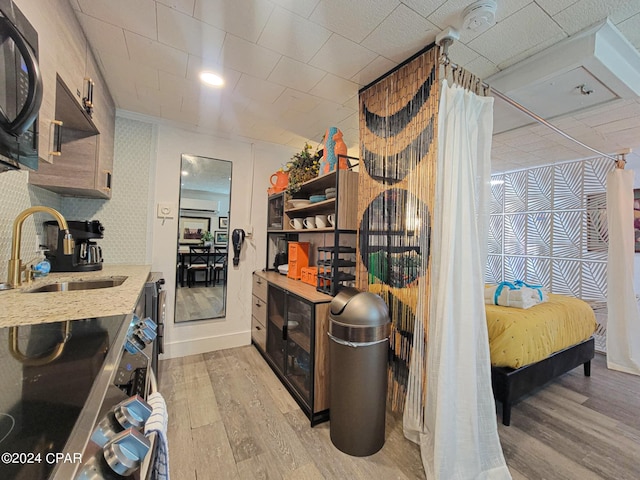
[(166, 210)]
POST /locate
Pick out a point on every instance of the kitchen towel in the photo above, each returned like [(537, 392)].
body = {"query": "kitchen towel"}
[(157, 423)]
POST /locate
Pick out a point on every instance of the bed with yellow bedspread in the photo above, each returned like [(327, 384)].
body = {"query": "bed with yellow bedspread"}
[(519, 337), (531, 347)]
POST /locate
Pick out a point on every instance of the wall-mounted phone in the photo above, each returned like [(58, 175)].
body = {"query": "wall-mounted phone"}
[(237, 238)]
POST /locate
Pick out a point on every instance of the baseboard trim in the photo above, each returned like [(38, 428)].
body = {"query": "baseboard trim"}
[(185, 348)]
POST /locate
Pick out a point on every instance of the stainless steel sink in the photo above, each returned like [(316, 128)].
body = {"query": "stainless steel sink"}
[(79, 285)]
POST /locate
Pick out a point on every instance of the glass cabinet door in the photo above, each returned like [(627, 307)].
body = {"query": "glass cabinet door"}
[(298, 345), (275, 329)]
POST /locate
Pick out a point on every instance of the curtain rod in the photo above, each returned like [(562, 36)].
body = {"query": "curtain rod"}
[(444, 60)]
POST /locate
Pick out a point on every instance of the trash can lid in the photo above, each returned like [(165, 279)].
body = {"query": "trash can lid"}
[(352, 307)]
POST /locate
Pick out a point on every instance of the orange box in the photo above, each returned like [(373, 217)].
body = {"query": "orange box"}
[(298, 259), (310, 275)]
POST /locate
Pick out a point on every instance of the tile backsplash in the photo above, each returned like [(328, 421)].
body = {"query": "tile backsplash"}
[(15, 196), (125, 217)]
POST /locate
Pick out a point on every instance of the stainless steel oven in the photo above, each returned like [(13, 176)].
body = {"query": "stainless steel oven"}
[(20, 89)]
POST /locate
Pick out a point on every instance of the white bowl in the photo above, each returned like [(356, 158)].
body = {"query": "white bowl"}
[(298, 203), (283, 269)]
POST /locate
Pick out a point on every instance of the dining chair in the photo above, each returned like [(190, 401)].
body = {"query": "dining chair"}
[(199, 261), (219, 264)]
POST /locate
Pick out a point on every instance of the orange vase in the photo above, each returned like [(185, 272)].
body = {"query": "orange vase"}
[(279, 182)]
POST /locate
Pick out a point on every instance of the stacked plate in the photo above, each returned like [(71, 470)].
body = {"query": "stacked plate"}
[(298, 203), (330, 192)]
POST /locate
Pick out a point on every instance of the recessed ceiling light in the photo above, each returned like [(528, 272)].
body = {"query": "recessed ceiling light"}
[(184, 173), (211, 78)]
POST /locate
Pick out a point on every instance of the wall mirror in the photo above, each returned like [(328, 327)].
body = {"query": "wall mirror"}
[(203, 234)]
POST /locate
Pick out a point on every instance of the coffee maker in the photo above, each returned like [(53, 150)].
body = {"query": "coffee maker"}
[(87, 255)]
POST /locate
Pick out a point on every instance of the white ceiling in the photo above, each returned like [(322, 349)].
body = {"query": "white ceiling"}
[(293, 67)]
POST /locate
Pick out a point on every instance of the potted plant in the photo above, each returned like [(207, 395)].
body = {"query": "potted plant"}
[(302, 167), (207, 238)]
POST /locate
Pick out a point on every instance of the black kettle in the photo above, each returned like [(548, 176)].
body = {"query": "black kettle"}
[(280, 259)]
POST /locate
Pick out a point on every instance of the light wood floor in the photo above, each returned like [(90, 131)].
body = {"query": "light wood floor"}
[(200, 302), (230, 418)]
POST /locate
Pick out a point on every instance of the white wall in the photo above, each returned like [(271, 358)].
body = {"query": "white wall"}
[(252, 166)]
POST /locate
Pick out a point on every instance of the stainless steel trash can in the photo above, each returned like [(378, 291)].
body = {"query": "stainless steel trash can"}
[(358, 351)]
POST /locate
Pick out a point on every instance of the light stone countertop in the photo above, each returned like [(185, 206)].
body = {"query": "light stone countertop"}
[(19, 308)]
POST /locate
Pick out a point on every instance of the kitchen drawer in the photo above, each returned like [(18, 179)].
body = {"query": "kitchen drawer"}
[(258, 333), (260, 287), (259, 310)]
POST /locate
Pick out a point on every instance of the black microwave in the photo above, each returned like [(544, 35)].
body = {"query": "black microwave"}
[(20, 89)]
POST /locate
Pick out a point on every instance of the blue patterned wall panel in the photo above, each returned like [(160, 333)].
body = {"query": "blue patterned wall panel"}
[(493, 271), (539, 234), (564, 216), (568, 186), (538, 271), (514, 268), (594, 280), (567, 234), (496, 202), (565, 277), (515, 234), (515, 192), (539, 189), (595, 175), (495, 234)]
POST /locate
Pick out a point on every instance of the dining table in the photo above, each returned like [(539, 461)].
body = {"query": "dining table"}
[(218, 253)]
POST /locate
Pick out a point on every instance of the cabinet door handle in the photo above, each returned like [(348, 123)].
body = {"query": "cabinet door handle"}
[(258, 327), (258, 305), (108, 181), (56, 138), (284, 332)]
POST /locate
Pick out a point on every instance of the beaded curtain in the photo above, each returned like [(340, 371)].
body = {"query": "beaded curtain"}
[(398, 118)]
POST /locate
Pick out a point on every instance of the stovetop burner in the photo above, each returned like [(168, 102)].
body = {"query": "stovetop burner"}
[(40, 403)]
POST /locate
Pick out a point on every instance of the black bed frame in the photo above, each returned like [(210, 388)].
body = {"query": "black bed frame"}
[(510, 385)]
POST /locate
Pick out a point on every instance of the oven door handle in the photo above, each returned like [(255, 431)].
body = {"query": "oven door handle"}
[(32, 103)]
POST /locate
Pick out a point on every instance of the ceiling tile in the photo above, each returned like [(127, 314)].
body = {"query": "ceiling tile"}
[(162, 98), (138, 16), (247, 57), (196, 65), (335, 89), (130, 101), (630, 28), (521, 31), (184, 6), (423, 7), (354, 20), (293, 36), (153, 54), (294, 74), (296, 101), (188, 34), (104, 37), (300, 7), (342, 57), (257, 89), (480, 67), (554, 6), (401, 34), (378, 67), (450, 14), (124, 71), (245, 19), (587, 12)]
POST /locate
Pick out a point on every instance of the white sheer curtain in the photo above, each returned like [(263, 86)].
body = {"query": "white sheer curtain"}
[(459, 432), (623, 321)]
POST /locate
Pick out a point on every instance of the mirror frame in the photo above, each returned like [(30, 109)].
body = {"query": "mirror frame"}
[(218, 226)]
